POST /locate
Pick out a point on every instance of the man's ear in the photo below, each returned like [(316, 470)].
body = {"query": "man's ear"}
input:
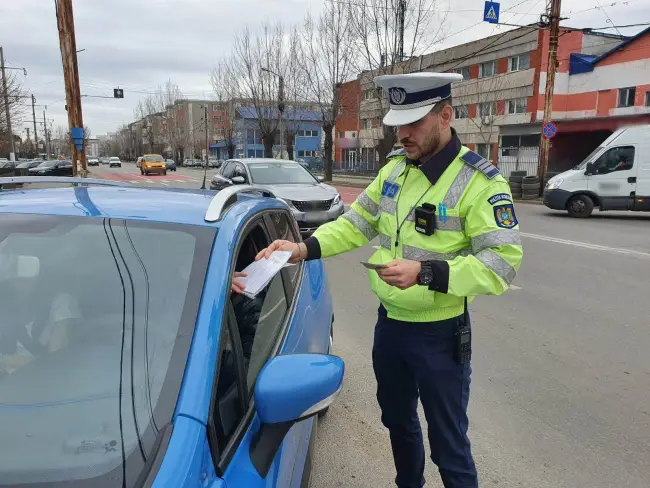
[(446, 114)]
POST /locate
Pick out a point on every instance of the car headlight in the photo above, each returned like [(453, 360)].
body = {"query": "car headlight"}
[(337, 199), (554, 183)]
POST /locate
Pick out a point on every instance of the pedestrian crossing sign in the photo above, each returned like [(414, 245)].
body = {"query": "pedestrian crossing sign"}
[(491, 12)]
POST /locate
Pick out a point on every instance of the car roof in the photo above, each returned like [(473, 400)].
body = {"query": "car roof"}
[(263, 160), (174, 205)]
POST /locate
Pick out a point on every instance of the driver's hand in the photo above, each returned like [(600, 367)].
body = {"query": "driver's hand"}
[(298, 251), (237, 286)]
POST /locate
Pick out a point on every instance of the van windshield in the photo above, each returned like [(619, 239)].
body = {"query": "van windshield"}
[(589, 158)]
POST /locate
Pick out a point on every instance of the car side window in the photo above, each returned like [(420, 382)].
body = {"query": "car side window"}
[(615, 159), (228, 170), (284, 230)]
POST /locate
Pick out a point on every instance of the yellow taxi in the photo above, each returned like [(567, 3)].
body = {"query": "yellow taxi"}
[(152, 163)]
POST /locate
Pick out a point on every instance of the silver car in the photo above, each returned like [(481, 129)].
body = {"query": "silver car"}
[(312, 202)]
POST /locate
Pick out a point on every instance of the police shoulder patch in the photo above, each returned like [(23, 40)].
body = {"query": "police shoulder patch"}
[(499, 197), (481, 164), (504, 216)]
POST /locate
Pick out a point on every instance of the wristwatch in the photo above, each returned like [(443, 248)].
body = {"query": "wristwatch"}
[(426, 274)]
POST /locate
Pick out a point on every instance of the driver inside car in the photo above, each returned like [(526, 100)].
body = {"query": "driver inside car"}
[(31, 330)]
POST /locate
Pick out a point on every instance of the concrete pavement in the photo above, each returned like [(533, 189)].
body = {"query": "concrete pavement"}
[(561, 383)]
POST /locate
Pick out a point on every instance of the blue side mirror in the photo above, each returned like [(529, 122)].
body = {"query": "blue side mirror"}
[(291, 388)]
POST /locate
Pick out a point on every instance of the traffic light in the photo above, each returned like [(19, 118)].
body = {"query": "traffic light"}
[(118, 93)]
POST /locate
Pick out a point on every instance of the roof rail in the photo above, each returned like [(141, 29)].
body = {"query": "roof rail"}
[(13, 180), (224, 197)]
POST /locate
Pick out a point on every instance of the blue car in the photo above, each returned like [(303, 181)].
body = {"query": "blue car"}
[(123, 364)]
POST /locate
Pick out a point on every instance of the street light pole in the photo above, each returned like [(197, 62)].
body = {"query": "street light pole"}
[(207, 148), (12, 151)]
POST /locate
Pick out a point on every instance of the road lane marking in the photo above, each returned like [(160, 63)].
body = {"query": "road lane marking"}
[(515, 287), (587, 245)]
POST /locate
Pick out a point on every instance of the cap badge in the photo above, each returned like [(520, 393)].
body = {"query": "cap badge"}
[(397, 96)]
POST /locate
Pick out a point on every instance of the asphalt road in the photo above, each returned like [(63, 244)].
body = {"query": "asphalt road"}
[(561, 369)]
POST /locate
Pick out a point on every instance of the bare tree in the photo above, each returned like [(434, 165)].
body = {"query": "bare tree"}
[(259, 62), (328, 49), (17, 109), (148, 111), (390, 35), (225, 86)]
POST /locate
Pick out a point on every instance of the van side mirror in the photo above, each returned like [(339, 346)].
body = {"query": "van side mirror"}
[(590, 169)]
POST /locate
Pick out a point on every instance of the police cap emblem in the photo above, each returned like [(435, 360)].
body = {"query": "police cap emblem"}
[(397, 95)]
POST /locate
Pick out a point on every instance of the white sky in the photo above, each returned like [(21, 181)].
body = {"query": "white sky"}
[(139, 44)]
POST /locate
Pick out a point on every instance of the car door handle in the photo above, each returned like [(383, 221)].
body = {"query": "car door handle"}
[(631, 179)]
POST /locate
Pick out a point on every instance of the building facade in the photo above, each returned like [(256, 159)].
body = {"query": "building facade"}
[(498, 107)]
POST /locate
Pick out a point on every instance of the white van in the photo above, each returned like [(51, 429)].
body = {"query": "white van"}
[(615, 176)]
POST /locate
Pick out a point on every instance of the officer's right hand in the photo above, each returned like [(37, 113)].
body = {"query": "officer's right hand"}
[(298, 251)]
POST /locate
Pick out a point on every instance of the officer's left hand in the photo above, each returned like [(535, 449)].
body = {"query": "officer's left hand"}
[(402, 273)]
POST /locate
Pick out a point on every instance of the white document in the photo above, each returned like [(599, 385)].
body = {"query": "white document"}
[(260, 273)]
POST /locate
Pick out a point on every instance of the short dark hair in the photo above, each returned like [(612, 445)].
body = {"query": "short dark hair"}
[(441, 104)]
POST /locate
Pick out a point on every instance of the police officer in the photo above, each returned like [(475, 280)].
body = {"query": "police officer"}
[(447, 232)]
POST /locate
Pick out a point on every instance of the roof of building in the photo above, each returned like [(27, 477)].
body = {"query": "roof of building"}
[(584, 63), (298, 114)]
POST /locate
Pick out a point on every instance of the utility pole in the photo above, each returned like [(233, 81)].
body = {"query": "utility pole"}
[(45, 144), (207, 147), (401, 16), (553, 14), (34, 117), (68, 43), (12, 151)]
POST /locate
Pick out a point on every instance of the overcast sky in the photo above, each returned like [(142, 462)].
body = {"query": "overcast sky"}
[(139, 44)]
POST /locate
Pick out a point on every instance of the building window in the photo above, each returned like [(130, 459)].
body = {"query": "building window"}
[(460, 112), (306, 154), (647, 99), (253, 136), (367, 124), (464, 71), (215, 107), (487, 109), (369, 94), (516, 106), (487, 69), (485, 150), (307, 133), (626, 97), (519, 63)]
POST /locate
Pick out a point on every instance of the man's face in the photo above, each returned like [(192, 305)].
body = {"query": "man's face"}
[(423, 136)]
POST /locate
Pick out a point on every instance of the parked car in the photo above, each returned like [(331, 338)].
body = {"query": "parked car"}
[(22, 168), (152, 163), (215, 163), (93, 162), (170, 164), (7, 168), (114, 162), (312, 202), (53, 167), (182, 382)]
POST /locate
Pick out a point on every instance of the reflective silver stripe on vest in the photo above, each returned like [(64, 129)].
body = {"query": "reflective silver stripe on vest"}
[(495, 238), (388, 205), (417, 254), (451, 223), (497, 264), (360, 223), (397, 170), (385, 241), (366, 203), (458, 186)]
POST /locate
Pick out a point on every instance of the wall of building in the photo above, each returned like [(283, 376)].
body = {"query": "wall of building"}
[(347, 127)]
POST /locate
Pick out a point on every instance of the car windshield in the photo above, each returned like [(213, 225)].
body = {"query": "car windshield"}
[(95, 333), (47, 164), (588, 158), (6, 164), (115, 159), (279, 173), (154, 159), (26, 164)]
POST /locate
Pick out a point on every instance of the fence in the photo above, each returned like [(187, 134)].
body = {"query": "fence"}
[(523, 158)]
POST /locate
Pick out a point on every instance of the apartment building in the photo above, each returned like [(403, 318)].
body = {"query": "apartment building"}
[(498, 107)]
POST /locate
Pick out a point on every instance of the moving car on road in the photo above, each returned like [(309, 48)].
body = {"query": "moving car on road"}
[(152, 163), (114, 162), (170, 164), (93, 162), (139, 364), (312, 202), (615, 176), (53, 167)]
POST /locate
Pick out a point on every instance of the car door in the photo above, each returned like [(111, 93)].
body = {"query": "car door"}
[(257, 330), (613, 177)]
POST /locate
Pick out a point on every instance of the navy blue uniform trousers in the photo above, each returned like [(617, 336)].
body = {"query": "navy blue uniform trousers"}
[(416, 360)]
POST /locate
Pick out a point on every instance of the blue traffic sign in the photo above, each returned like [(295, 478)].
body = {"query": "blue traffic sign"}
[(549, 130), (491, 12)]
